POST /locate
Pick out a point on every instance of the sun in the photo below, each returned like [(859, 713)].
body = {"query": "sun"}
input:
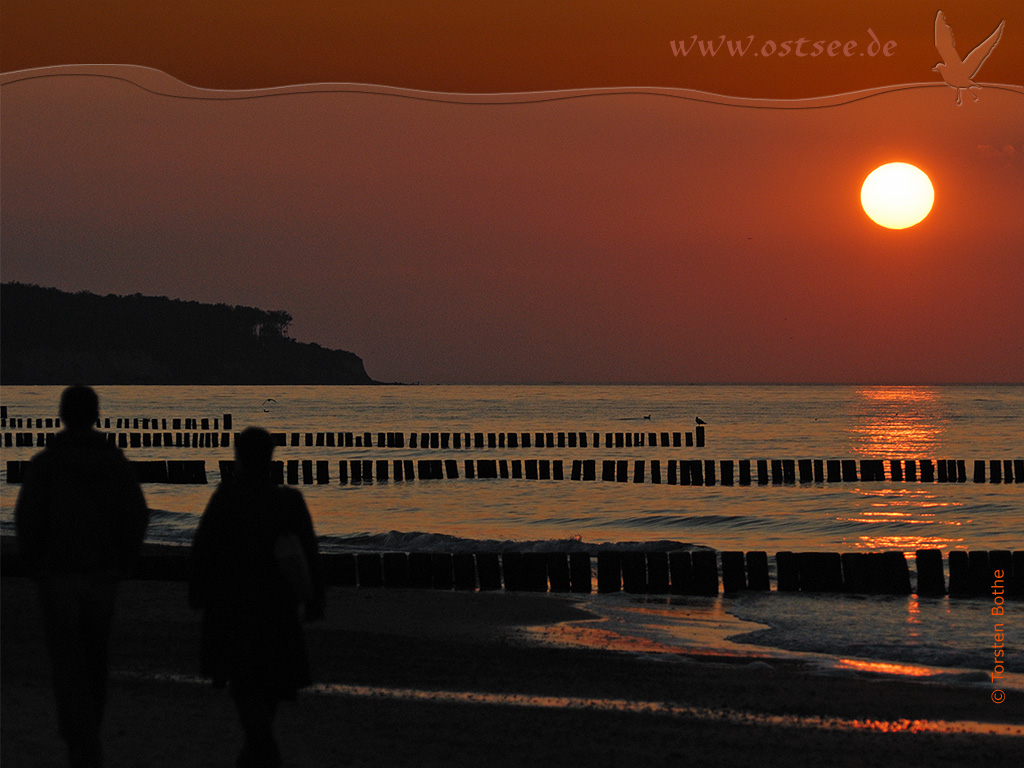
[(897, 195)]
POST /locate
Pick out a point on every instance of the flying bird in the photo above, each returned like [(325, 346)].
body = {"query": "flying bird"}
[(958, 73), (267, 402)]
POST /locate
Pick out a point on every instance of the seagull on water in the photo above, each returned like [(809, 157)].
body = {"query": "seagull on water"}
[(957, 72)]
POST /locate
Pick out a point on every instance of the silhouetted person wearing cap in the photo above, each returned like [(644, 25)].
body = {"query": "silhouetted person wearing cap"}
[(80, 519), (252, 637)]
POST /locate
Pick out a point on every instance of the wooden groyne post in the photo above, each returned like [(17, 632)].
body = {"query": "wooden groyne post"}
[(680, 572)]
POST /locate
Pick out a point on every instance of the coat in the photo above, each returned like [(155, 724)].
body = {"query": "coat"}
[(80, 510), (251, 630)]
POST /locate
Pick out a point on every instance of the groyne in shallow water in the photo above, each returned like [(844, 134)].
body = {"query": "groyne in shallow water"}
[(997, 574)]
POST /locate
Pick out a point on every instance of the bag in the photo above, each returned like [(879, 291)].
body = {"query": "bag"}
[(292, 565)]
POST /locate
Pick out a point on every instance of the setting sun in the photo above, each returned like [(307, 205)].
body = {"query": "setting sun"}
[(897, 195)]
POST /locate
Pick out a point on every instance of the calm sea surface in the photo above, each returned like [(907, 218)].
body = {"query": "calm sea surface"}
[(743, 422)]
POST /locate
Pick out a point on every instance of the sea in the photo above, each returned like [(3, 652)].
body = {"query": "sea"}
[(863, 634)]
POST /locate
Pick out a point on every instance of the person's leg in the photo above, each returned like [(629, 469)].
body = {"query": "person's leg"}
[(256, 711), (64, 607), (98, 620)]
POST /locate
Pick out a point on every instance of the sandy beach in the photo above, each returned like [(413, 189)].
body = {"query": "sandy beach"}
[(462, 679)]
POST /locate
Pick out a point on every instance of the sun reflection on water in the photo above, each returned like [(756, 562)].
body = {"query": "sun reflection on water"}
[(886, 668), (666, 709), (898, 422), (907, 506)]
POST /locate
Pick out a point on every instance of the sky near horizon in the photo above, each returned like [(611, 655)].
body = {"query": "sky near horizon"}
[(616, 237)]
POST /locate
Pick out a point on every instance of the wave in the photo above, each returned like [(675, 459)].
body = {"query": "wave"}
[(160, 83), (671, 521), (166, 527), (955, 634), (418, 541)]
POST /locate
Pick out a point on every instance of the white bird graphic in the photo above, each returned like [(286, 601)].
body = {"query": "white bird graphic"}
[(957, 72)]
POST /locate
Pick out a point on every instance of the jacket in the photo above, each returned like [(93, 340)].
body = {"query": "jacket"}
[(80, 509), (251, 629)]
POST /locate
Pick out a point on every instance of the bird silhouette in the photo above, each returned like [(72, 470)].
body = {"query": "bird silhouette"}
[(957, 72), (700, 420)]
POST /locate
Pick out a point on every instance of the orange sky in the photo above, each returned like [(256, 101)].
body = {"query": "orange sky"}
[(616, 238), (500, 46)]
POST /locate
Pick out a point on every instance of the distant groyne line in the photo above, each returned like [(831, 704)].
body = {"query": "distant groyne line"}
[(692, 472), (9, 422), (145, 432), (215, 432), (154, 432), (682, 472), (698, 472), (491, 440)]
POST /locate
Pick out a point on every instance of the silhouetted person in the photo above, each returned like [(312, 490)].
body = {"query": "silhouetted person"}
[(80, 519), (252, 638)]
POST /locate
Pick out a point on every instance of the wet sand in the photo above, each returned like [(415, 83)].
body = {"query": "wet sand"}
[(420, 678)]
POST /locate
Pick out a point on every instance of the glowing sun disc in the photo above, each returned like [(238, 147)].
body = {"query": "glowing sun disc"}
[(897, 195)]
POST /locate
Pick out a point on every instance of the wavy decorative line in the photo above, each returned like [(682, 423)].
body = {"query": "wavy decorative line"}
[(160, 83)]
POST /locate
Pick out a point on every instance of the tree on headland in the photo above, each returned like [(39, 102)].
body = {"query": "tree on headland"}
[(48, 336)]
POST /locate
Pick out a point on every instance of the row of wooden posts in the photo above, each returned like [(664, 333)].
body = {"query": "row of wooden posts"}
[(491, 440), (120, 423), (190, 472), (129, 439), (432, 440), (995, 575), (676, 472)]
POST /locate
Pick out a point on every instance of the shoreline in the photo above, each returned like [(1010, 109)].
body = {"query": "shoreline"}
[(428, 678), (657, 625)]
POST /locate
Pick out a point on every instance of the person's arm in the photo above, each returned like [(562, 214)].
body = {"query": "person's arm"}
[(311, 548), (201, 558), (134, 518)]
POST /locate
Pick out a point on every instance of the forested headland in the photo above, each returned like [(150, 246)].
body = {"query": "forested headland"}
[(48, 336)]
